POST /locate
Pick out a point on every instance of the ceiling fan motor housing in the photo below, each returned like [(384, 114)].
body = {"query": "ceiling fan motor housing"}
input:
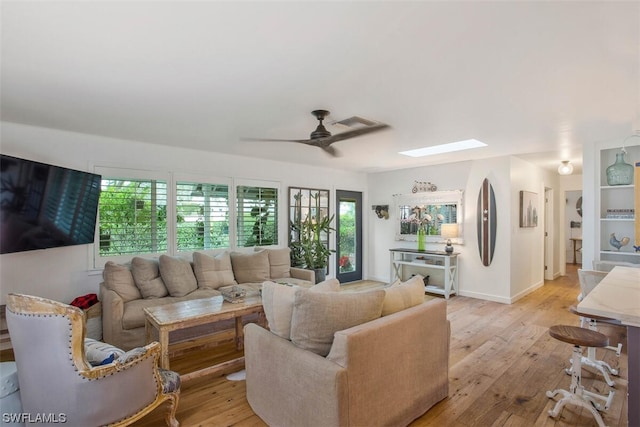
[(321, 131)]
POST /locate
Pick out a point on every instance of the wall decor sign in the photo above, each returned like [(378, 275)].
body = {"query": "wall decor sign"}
[(487, 222), (528, 209), (421, 187)]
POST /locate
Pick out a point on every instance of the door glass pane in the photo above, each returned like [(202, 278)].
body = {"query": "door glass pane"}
[(347, 246)]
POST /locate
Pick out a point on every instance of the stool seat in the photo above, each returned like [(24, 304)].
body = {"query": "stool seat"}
[(578, 336)]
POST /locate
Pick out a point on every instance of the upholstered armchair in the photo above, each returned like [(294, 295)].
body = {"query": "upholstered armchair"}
[(56, 380)]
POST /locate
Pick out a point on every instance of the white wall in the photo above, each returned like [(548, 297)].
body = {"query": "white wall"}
[(65, 273), (527, 243), (517, 266)]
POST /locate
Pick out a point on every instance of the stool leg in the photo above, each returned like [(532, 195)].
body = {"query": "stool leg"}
[(577, 395)]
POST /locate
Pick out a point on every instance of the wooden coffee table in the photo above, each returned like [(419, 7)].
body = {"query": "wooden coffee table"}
[(186, 314)]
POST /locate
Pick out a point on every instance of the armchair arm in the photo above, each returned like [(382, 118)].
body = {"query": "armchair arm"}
[(303, 274), (281, 375)]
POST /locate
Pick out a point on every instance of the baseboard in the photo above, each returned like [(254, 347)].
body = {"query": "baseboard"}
[(501, 299)]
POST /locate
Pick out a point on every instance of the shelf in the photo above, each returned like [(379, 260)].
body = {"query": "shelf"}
[(621, 253), (617, 219), (419, 264), (615, 187)]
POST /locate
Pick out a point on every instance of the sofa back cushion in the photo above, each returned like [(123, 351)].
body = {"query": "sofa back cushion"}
[(177, 275), (279, 263), (317, 316), (146, 274), (213, 272), (118, 278), (402, 295), (250, 267)]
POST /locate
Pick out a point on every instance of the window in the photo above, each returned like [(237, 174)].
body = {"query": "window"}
[(257, 216), (202, 216), (132, 217), (148, 213)]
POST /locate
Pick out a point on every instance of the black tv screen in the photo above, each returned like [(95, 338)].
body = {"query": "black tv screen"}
[(45, 206)]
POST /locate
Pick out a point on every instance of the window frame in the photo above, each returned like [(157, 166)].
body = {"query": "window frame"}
[(172, 178)]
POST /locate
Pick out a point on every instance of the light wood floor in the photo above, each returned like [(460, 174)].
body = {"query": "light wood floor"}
[(502, 362)]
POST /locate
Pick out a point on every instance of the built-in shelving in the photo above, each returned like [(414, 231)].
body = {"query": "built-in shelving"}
[(615, 208)]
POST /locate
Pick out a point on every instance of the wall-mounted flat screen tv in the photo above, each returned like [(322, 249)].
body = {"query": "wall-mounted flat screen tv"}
[(45, 206)]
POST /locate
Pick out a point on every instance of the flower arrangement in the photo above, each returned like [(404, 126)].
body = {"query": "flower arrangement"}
[(421, 219)]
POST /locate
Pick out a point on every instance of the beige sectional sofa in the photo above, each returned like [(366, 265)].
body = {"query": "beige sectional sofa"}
[(314, 369), (127, 289)]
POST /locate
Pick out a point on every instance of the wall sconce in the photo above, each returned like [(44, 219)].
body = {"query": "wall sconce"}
[(382, 211), (449, 231), (566, 168)]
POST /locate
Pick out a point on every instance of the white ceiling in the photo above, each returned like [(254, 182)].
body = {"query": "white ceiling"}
[(535, 79)]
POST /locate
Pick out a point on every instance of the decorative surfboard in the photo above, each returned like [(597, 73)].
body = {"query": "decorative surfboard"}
[(487, 220)]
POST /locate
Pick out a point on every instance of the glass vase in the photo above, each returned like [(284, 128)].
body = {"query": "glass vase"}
[(422, 233), (620, 173)]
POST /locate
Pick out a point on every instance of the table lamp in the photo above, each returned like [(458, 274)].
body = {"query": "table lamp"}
[(449, 231)]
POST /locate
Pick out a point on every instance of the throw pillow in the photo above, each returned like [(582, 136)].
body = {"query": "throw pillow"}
[(277, 302), (213, 272), (100, 353), (317, 316), (250, 267), (118, 278), (146, 274), (329, 285), (177, 275), (402, 295), (279, 263)]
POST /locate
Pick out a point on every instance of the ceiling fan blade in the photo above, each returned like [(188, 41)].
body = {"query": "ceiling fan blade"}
[(304, 141), (354, 133), (331, 151)]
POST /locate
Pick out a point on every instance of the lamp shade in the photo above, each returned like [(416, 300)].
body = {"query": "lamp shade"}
[(449, 231), (566, 168)]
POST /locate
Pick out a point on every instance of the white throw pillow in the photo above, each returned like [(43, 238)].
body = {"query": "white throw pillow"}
[(277, 301)]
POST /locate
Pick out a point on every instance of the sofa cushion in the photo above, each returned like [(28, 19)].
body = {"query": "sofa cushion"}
[(146, 274), (318, 315), (177, 275), (250, 267), (277, 301), (212, 272), (402, 295), (118, 278), (279, 263)]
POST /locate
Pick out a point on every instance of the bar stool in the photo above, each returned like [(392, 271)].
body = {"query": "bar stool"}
[(590, 359), (577, 395)]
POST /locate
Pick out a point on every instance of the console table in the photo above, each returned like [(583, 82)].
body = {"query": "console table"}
[(441, 267)]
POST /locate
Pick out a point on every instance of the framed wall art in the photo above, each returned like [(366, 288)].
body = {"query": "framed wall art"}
[(528, 209)]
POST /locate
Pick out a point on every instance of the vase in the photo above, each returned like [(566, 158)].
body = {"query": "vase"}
[(422, 233), (620, 173)]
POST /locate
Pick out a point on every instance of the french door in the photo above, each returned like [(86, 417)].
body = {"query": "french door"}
[(348, 236)]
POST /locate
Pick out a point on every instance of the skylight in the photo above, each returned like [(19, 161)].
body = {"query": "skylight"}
[(444, 148)]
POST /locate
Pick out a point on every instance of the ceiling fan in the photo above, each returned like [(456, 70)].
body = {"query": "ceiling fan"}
[(322, 138)]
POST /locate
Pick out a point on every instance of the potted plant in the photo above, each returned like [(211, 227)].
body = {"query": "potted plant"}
[(308, 246)]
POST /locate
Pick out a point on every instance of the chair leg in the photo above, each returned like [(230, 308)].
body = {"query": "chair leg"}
[(577, 394), (170, 417)]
